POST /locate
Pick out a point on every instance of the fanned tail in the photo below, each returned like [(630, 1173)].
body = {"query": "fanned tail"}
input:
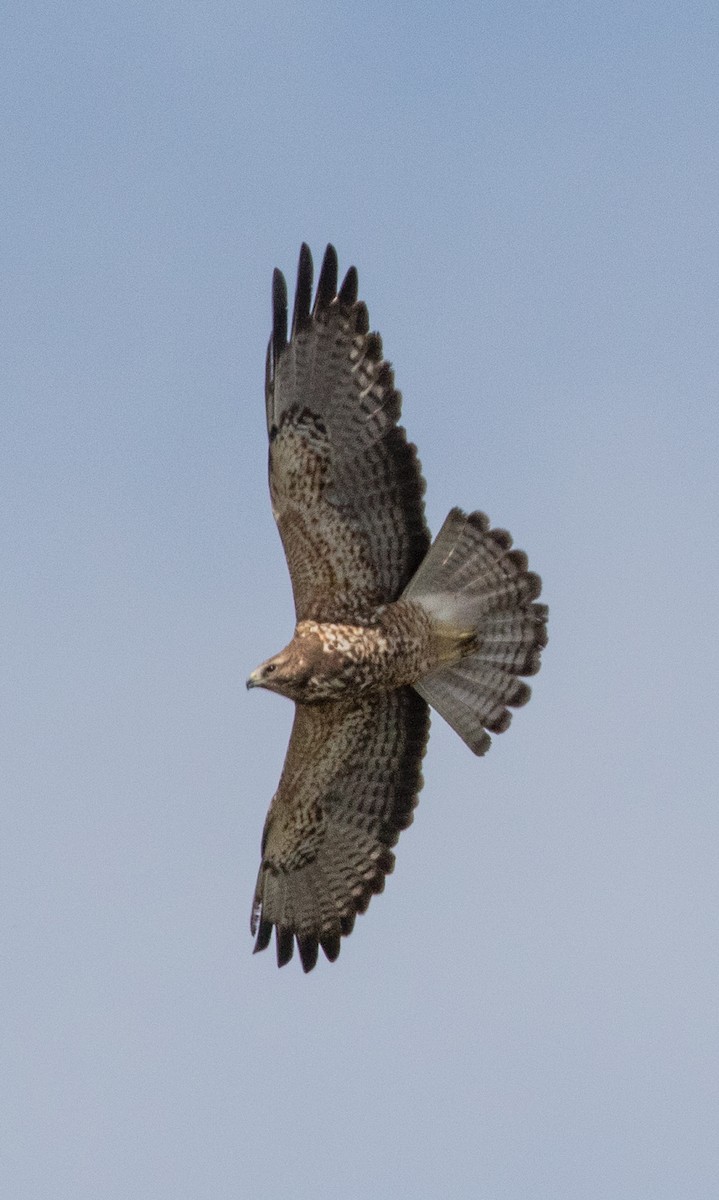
[(481, 596)]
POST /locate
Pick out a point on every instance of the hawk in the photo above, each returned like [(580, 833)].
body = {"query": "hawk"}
[(386, 623)]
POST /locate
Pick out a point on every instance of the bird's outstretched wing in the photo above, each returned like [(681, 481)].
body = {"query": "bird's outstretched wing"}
[(349, 786), (346, 485)]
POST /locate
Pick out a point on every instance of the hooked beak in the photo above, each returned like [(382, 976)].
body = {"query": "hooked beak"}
[(254, 680)]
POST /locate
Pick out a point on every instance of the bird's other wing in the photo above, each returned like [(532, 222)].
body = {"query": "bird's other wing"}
[(349, 786), (346, 486)]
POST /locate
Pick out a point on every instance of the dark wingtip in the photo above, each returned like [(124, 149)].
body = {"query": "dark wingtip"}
[(303, 291), (264, 933), (279, 314), (350, 287), (347, 923), (268, 366), (361, 318), (330, 943), (285, 939), (309, 949), (327, 282), (373, 347)]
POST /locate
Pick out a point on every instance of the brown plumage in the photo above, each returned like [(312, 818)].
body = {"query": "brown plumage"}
[(386, 624)]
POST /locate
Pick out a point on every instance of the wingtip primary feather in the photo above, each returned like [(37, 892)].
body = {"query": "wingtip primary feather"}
[(303, 291), (264, 933), (327, 282), (349, 289), (361, 318), (330, 943), (285, 940), (309, 950), (279, 314)]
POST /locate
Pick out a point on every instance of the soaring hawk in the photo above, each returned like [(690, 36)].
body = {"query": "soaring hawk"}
[(387, 624)]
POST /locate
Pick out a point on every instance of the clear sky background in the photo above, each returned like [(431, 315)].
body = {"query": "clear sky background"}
[(530, 193)]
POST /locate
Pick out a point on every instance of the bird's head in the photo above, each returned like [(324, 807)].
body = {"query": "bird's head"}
[(308, 671), (288, 673)]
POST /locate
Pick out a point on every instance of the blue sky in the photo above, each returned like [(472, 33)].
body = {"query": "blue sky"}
[(530, 194)]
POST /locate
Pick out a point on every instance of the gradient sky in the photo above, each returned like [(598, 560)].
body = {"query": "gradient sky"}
[(530, 193)]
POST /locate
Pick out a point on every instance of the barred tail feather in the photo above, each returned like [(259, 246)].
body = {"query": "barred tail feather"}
[(473, 583)]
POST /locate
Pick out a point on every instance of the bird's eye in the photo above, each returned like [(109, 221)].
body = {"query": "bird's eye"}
[(269, 668)]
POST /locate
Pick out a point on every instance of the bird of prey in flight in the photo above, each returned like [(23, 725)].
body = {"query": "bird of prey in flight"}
[(387, 621)]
